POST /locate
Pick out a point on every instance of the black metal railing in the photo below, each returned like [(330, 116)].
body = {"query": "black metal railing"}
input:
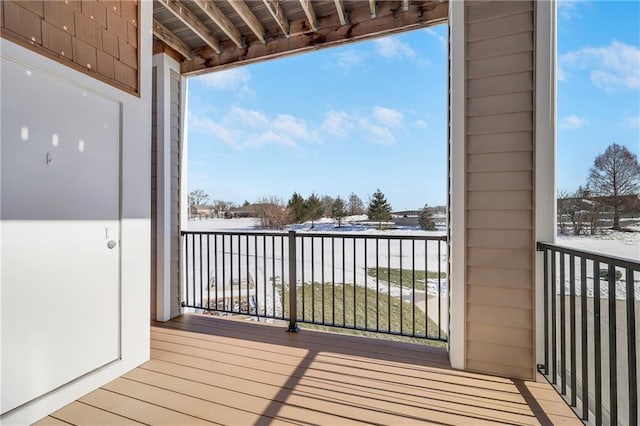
[(590, 320), (391, 284)]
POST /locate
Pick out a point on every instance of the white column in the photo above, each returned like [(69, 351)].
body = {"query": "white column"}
[(545, 150), (164, 64), (457, 171)]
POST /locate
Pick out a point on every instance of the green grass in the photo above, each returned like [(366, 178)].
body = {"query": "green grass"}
[(393, 276), (387, 313)]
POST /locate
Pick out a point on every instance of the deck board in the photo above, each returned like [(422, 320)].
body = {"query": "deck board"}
[(222, 371)]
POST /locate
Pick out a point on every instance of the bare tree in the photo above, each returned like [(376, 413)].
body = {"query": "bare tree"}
[(577, 210), (221, 206), (355, 206), (198, 197), (615, 174), (327, 204), (272, 212)]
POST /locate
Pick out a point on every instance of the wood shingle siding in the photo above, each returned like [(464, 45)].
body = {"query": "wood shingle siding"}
[(499, 64), (98, 38)]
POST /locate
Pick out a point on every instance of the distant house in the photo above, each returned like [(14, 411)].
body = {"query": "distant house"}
[(203, 212)]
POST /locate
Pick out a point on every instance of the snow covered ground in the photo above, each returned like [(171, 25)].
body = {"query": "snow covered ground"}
[(329, 259), (327, 264), (610, 243)]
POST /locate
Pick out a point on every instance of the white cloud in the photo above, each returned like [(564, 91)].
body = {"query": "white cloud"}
[(291, 126), (613, 67), (337, 123), (246, 117), (633, 122), (391, 47), (377, 134), (388, 116), (573, 122), (231, 79), (567, 8), (244, 128), (421, 124), (441, 38), (206, 126), (349, 59)]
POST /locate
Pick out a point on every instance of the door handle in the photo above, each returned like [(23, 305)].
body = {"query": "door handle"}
[(111, 244)]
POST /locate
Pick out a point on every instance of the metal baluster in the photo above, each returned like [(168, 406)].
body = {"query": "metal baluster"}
[(572, 327), (333, 282), (631, 348), (554, 325), (563, 337), (585, 354), (613, 360), (322, 276), (413, 288), (597, 345), (377, 284)]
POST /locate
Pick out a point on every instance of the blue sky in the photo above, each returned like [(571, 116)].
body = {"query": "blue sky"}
[(599, 84), (373, 114)]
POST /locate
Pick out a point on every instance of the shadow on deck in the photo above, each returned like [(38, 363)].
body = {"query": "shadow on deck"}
[(207, 369)]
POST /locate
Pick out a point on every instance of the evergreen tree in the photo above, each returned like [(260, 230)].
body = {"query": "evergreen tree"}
[(313, 207), (338, 210), (379, 208), (425, 219), (297, 207)]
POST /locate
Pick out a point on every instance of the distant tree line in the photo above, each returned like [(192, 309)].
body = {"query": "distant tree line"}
[(274, 213), (611, 189)]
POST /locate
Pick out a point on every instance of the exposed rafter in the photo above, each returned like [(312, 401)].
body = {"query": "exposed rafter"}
[(171, 40), (278, 15), (194, 24), (361, 27), (310, 13), (342, 14), (220, 20), (249, 18), (406, 4), (372, 9)]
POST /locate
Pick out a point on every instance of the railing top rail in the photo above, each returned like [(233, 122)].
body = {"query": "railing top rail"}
[(242, 233), (321, 235), (613, 260)]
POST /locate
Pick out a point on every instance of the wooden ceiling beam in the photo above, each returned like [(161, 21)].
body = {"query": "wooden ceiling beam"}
[(194, 24), (391, 20), (278, 15), (171, 40), (342, 14), (219, 18), (310, 13), (249, 18)]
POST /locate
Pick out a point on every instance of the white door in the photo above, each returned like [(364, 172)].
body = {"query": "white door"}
[(59, 232)]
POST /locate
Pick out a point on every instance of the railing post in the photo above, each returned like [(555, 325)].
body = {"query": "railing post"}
[(293, 296)]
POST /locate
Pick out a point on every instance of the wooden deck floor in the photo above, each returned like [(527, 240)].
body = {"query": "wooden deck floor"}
[(231, 372)]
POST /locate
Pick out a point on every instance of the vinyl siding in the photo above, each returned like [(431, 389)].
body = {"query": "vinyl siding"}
[(500, 245), (175, 193)]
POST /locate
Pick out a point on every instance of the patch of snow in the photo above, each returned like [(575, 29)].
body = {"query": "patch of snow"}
[(611, 243)]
